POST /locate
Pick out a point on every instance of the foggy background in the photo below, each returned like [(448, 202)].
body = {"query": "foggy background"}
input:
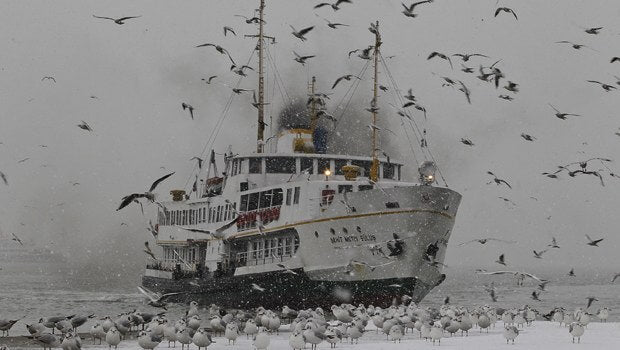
[(128, 82)]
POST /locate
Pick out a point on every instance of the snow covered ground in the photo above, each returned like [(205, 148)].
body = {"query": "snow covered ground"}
[(541, 335)]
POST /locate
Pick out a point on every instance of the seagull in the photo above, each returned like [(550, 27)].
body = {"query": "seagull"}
[(229, 29), (497, 180), (408, 11), (539, 255), (152, 229), (334, 6), (535, 295), (334, 25), (300, 34), (239, 91), (4, 179), (615, 277), (527, 137), (23, 160), (219, 49), (189, 107), (519, 274), (148, 195), (507, 200), (562, 115), (118, 21), (17, 239), (554, 243), (200, 160), (615, 59), (410, 95), (571, 273), (240, 71), (466, 91), (512, 87), (491, 291), (440, 55), (485, 240), (593, 242), (49, 78), (301, 59), (250, 20), (208, 81), (257, 287), (590, 301), (467, 142), (346, 77), (605, 87), (465, 57), (594, 31), (148, 250), (84, 126), (575, 46), (218, 233), (501, 260), (156, 299), (507, 10), (466, 69)]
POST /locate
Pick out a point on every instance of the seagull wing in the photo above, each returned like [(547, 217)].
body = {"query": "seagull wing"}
[(128, 199), (112, 19), (228, 225), (305, 30), (158, 181), (198, 230), (148, 293), (126, 18)]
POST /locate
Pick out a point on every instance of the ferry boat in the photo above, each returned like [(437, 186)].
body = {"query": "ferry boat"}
[(291, 224)]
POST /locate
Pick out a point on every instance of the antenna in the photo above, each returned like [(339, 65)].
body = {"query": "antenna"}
[(374, 168)]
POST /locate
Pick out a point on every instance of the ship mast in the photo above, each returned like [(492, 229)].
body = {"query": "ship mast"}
[(261, 93), (313, 118), (374, 169)]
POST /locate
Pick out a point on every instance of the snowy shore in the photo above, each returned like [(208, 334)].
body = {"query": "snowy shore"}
[(541, 335)]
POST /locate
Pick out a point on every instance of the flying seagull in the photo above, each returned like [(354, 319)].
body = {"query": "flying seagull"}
[(485, 240), (527, 137), (208, 81), (49, 78), (118, 21), (188, 107), (594, 30), (347, 77), (335, 6), (467, 142), (440, 55), (554, 243), (590, 301), (218, 233), (219, 49), (497, 180), (519, 274), (4, 179), (148, 195), (571, 273), (156, 299), (16, 239), (501, 260), (605, 87), (301, 59), (84, 126), (562, 115), (466, 56), (539, 255), (593, 242), (148, 250), (229, 29), (408, 11), (507, 10), (300, 34)]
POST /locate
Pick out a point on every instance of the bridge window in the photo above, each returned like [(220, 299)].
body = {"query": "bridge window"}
[(289, 192), (280, 165), (256, 165), (243, 206), (339, 164), (265, 199), (277, 197), (253, 201), (323, 165), (364, 164), (296, 196), (307, 165), (388, 171)]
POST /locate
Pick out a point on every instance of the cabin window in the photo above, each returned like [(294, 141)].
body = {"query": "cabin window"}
[(234, 207), (388, 171), (265, 199), (296, 196), (244, 203), (243, 186), (364, 164), (219, 213), (173, 220), (253, 201), (345, 188), (339, 164), (256, 165), (209, 215), (398, 168), (280, 165), (365, 187), (235, 166), (204, 214), (277, 197), (323, 164), (184, 217), (289, 192), (306, 165)]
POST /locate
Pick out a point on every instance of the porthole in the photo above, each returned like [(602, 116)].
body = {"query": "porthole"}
[(345, 231), (332, 231), (359, 229), (316, 234)]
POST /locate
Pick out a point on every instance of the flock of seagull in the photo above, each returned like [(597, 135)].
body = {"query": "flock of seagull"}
[(342, 323)]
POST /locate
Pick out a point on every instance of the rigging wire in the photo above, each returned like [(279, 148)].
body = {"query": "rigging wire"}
[(411, 122), (352, 90)]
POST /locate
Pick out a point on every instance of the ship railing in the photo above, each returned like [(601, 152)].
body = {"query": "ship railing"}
[(171, 265)]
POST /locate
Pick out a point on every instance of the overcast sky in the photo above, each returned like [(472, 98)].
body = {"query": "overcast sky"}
[(141, 71)]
